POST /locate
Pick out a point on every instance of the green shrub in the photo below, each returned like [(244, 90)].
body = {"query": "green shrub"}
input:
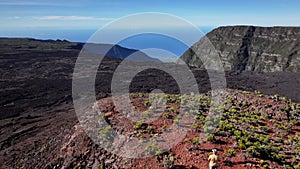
[(265, 166), (139, 135), (138, 125), (211, 137), (195, 126), (229, 153), (166, 115), (150, 129), (195, 140), (186, 140), (153, 149), (147, 113), (147, 103), (176, 120)]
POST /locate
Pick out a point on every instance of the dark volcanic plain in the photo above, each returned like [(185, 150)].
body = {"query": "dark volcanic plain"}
[(36, 110)]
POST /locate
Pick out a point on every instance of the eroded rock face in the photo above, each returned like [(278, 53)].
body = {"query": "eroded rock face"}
[(264, 49)]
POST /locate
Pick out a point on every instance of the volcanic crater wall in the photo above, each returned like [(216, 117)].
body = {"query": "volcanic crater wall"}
[(251, 48)]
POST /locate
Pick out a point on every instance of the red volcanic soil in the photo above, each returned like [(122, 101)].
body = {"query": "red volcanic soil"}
[(189, 155), (70, 147), (193, 150)]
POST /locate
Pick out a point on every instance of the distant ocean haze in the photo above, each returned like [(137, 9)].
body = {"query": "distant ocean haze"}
[(158, 46), (62, 34)]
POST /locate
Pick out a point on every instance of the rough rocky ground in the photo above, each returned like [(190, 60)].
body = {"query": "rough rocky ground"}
[(70, 147), (260, 119), (39, 128)]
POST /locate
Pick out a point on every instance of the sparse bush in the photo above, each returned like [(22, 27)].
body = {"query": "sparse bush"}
[(166, 115), (229, 153), (187, 140), (147, 113), (265, 166), (195, 126), (195, 140), (211, 137), (150, 129), (176, 120), (138, 125), (153, 149), (147, 103)]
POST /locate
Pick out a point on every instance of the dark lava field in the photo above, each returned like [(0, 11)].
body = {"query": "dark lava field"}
[(36, 109)]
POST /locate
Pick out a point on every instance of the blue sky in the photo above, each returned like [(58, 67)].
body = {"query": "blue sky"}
[(77, 20), (92, 14)]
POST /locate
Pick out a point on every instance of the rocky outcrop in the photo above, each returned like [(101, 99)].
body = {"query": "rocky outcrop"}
[(251, 48)]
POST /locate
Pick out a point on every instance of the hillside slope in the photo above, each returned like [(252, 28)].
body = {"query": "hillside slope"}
[(256, 131), (251, 48), (39, 127), (28, 45)]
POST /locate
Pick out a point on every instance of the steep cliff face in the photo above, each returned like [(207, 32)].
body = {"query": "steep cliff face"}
[(265, 49)]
